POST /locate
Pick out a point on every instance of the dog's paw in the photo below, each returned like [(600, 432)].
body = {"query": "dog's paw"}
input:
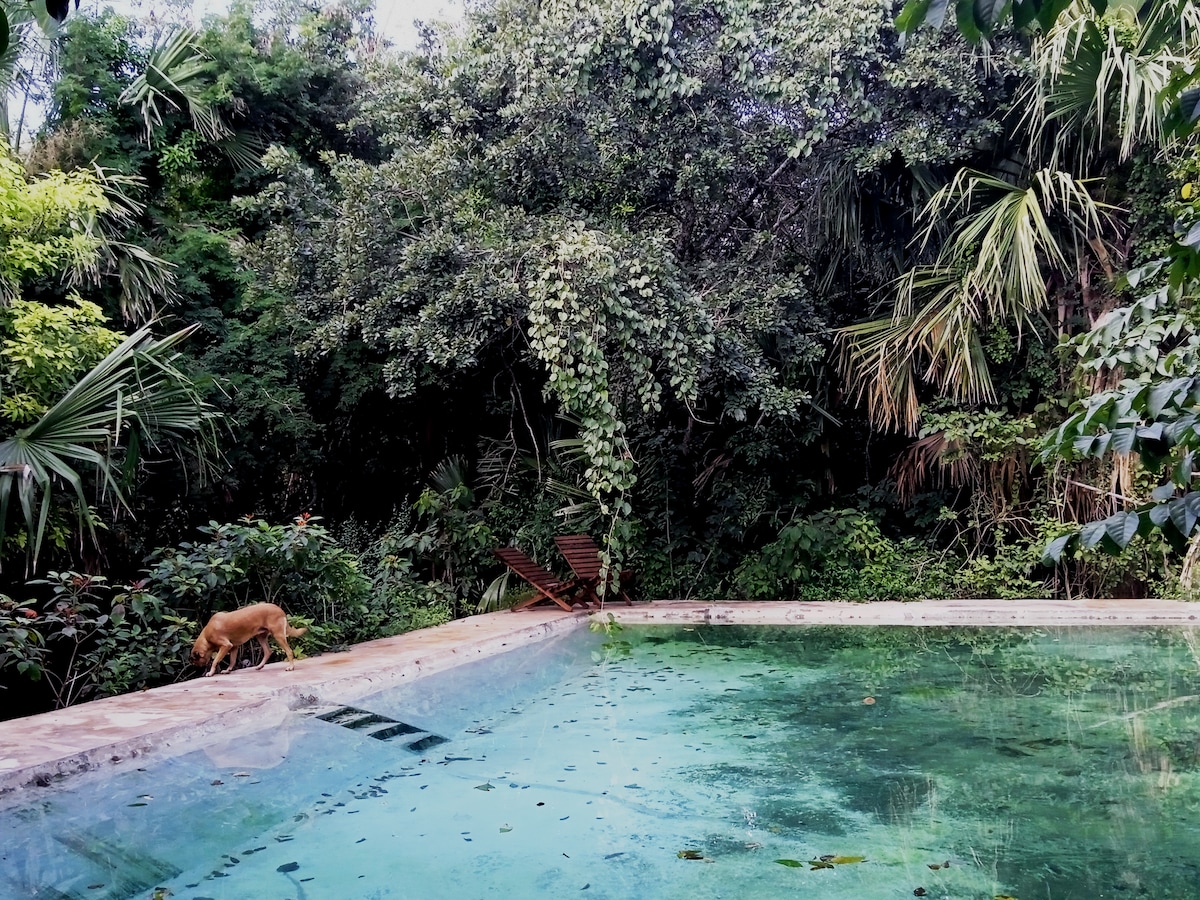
[(209, 674), (289, 667)]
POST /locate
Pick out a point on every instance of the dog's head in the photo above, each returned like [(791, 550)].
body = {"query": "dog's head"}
[(201, 654)]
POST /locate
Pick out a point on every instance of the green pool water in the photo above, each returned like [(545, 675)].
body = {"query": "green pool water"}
[(707, 762)]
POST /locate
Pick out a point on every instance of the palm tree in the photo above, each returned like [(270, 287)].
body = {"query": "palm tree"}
[(1110, 81), (1003, 242), (1104, 85), (134, 398)]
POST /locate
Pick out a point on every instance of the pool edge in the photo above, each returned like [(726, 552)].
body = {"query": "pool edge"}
[(42, 750)]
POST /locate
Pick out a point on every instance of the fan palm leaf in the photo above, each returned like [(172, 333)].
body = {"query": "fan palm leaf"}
[(1004, 241), (135, 396), (1102, 79), (176, 76)]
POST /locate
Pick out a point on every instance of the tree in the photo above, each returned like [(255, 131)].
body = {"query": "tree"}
[(64, 407)]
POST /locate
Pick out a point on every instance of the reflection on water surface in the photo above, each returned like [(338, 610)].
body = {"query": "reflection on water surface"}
[(832, 762)]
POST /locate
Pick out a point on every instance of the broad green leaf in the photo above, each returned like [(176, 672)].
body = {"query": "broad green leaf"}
[(1049, 11), (1192, 238), (1163, 492), (1092, 534), (1122, 440), (1054, 550), (1183, 470), (988, 12), (1159, 394), (1121, 527), (913, 15), (1182, 516), (790, 863), (1189, 104), (968, 27), (1159, 515)]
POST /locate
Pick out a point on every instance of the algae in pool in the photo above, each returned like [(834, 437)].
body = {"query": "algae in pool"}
[(718, 762)]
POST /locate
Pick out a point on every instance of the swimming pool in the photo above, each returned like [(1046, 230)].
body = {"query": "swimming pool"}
[(697, 762)]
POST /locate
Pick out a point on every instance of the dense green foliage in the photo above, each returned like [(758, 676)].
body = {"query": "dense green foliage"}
[(767, 297)]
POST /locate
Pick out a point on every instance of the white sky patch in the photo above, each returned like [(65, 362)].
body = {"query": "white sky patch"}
[(393, 18)]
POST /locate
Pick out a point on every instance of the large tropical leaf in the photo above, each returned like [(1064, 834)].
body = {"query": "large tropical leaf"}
[(1112, 77), (134, 398), (176, 76), (1005, 239)]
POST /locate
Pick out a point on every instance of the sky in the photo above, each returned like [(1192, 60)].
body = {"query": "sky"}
[(393, 18)]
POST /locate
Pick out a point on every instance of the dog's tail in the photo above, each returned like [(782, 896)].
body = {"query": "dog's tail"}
[(295, 632)]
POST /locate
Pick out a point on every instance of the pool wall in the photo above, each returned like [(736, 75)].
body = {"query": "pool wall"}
[(42, 750)]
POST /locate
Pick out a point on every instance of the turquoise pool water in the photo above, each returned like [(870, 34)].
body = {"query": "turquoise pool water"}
[(679, 763)]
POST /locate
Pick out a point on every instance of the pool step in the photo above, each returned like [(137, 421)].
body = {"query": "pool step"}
[(416, 739), (121, 871)]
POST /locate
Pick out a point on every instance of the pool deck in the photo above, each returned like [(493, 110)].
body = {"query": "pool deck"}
[(43, 749)]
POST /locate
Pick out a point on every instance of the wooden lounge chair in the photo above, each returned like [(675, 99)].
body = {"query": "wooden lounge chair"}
[(549, 586), (583, 556)]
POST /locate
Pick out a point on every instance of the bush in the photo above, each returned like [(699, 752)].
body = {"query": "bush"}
[(298, 566), (89, 642), (841, 555)]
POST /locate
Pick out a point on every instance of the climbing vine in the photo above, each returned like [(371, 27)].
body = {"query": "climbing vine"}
[(597, 305)]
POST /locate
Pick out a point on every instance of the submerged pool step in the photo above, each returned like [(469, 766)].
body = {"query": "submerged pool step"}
[(121, 871), (419, 740)]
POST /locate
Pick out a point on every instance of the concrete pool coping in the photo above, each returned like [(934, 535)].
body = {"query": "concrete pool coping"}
[(41, 750)]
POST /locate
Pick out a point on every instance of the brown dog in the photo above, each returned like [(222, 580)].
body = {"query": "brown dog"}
[(227, 631)]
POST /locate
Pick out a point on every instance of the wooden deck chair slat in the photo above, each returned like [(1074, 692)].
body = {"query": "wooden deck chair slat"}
[(583, 556), (549, 586)]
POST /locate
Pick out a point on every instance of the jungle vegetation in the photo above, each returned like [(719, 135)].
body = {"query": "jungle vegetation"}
[(850, 299)]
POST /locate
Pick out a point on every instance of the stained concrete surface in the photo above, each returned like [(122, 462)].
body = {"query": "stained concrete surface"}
[(42, 749)]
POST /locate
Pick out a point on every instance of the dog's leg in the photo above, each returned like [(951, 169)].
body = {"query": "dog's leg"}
[(266, 650), (279, 632), (233, 658), (217, 657)]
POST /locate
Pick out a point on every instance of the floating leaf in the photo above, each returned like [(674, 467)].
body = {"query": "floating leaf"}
[(919, 892), (819, 864), (1004, 897), (935, 866), (846, 860), (136, 804), (791, 863), (690, 854), (505, 829), (288, 867), (486, 786)]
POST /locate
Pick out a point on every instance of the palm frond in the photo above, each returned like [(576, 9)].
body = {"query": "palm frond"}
[(1003, 242), (932, 337), (1101, 78), (135, 396), (176, 76)]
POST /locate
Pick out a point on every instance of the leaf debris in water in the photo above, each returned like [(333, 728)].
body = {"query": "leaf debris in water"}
[(690, 854), (486, 786), (505, 829), (288, 867), (791, 863)]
